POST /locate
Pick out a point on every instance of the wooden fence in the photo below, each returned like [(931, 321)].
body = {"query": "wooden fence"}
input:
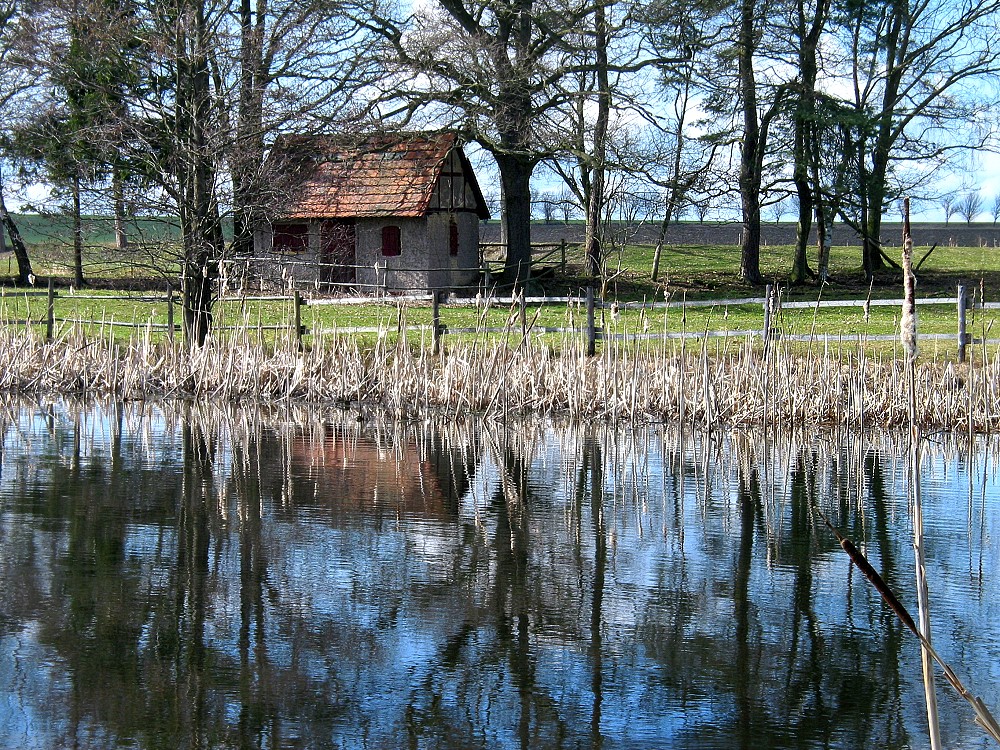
[(771, 305), (553, 255)]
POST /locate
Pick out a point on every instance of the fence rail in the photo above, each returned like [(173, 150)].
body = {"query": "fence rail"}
[(771, 306)]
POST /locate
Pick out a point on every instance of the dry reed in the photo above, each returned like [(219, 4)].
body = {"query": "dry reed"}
[(984, 718), (730, 383), (908, 337)]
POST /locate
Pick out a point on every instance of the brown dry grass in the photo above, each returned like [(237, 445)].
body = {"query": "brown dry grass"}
[(730, 383)]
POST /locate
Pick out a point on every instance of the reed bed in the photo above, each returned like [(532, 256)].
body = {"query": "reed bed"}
[(733, 382)]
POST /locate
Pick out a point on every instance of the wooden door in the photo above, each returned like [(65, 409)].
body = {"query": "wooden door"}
[(337, 258)]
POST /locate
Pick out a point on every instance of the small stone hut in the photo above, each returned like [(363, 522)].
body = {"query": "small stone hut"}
[(388, 211)]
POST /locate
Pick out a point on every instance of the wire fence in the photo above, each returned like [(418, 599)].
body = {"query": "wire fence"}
[(585, 308)]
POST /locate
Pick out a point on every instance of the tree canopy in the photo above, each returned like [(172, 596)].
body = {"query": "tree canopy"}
[(844, 105)]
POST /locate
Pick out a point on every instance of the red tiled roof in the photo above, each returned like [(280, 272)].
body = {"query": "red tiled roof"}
[(380, 175)]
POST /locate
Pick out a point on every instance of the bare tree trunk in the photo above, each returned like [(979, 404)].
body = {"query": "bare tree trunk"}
[(595, 207), (515, 178), (198, 299), (825, 209), (514, 157), (803, 227), (871, 246), (806, 132), (749, 177), (121, 237), (803, 189), (824, 221), (661, 240), (248, 147), (201, 226), (675, 191), (24, 274), (77, 233), (895, 41), (750, 245)]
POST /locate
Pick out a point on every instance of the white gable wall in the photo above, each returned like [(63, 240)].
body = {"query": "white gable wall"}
[(451, 271)]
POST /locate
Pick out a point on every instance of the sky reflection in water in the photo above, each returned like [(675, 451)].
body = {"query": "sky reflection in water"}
[(181, 576)]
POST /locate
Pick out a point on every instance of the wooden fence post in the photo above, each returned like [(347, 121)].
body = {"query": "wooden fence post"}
[(522, 312), (170, 313), (50, 314), (962, 302), (562, 259), (297, 317), (591, 330), (768, 291), (436, 322)]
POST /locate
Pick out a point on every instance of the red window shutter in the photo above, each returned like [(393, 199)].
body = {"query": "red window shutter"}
[(390, 241)]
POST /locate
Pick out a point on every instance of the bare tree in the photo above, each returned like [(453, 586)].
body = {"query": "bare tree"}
[(483, 68), (970, 206), (995, 209), (949, 204), (221, 80), (493, 201), (632, 149), (809, 21), (599, 156), (549, 204), (292, 65), (778, 209), (760, 104), (687, 162), (632, 205), (17, 78), (702, 206), (195, 169), (510, 76), (568, 205), (915, 63)]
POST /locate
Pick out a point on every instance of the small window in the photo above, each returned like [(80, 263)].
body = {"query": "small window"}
[(290, 238), (453, 238), (390, 241)]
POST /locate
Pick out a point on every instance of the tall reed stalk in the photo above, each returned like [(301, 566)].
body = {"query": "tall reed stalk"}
[(908, 335), (734, 384)]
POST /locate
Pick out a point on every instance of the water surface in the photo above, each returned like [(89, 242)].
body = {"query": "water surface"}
[(182, 576)]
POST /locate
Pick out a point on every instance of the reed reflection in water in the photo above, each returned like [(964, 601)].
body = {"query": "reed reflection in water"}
[(186, 576)]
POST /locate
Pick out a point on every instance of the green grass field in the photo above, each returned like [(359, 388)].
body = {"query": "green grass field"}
[(693, 273)]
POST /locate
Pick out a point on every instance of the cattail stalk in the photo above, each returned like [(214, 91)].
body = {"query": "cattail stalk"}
[(984, 718), (908, 336), (908, 322)]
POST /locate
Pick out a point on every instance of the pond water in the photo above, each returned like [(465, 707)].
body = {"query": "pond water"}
[(180, 576)]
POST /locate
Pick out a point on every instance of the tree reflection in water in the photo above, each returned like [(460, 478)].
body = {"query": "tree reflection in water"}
[(183, 576)]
